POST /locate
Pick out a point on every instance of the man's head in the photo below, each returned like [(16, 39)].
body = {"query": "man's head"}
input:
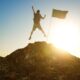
[(38, 11)]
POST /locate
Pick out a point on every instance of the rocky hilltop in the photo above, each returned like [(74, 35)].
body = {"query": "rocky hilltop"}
[(39, 61)]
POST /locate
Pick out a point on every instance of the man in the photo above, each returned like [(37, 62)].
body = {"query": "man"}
[(36, 20)]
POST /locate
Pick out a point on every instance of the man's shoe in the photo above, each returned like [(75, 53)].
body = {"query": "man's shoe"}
[(29, 37)]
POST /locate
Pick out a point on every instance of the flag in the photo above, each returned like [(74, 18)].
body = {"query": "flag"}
[(59, 13)]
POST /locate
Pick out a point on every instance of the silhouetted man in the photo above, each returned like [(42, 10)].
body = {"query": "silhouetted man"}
[(36, 19)]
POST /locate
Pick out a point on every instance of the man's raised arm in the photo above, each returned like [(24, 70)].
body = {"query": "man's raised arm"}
[(33, 9)]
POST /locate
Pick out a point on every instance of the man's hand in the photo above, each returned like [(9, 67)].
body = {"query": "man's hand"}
[(44, 17)]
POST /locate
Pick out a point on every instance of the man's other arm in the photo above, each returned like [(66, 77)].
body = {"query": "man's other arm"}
[(43, 17)]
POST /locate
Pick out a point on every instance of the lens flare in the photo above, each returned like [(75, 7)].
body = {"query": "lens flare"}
[(65, 35)]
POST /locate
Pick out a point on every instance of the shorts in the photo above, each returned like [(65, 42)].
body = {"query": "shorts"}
[(37, 26)]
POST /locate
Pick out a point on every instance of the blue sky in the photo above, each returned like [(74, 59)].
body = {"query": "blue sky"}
[(16, 20)]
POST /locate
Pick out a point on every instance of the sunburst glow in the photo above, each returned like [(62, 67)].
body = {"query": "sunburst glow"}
[(65, 35)]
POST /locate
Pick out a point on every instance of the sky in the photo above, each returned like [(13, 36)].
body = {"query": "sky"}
[(16, 20)]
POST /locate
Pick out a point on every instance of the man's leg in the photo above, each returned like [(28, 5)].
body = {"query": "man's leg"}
[(40, 28), (32, 31)]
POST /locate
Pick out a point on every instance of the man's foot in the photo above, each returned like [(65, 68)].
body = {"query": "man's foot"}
[(29, 37)]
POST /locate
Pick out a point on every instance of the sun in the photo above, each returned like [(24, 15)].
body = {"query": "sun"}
[(65, 35)]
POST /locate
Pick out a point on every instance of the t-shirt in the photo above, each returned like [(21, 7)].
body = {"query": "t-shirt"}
[(37, 18)]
